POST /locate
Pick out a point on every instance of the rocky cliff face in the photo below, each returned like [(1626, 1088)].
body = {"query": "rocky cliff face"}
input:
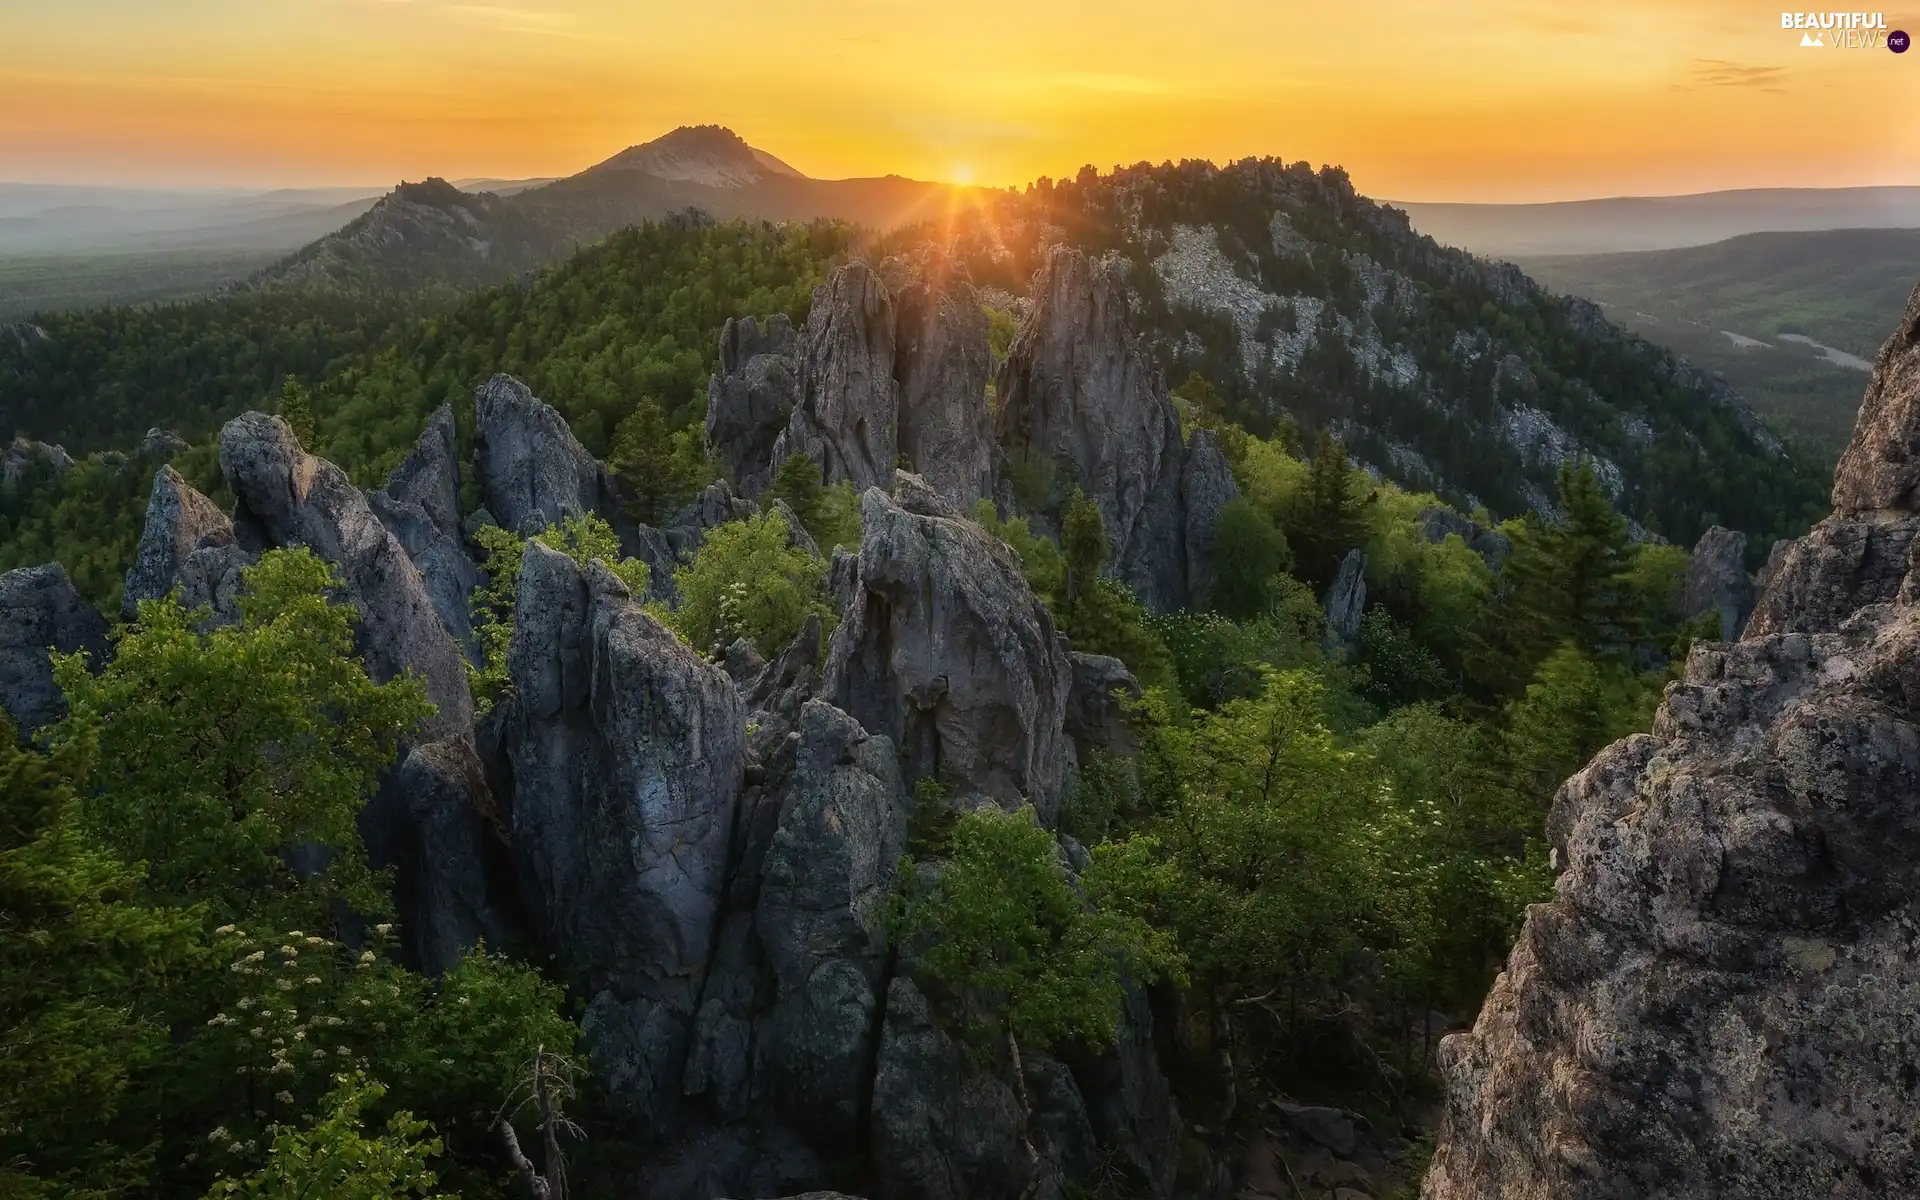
[(751, 399), (943, 364), (1717, 1003), (848, 411), (39, 610)]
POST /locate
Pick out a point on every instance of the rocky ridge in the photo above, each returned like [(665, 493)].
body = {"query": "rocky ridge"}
[(1715, 1002)]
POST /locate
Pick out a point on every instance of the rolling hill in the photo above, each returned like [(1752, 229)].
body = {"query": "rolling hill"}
[(1624, 223), (1789, 318)]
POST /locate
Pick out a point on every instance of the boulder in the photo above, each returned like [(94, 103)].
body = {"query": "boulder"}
[(40, 612), (533, 471), (187, 542), (1206, 487), (1078, 387), (1437, 522), (822, 922), (1717, 580), (161, 444), (849, 402), (1096, 715), (943, 364), (420, 506), (25, 457), (1716, 1003), (1347, 597), (751, 398), (946, 651), (627, 757), (286, 497)]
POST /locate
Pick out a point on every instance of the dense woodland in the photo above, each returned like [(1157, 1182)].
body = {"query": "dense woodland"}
[(1316, 847)]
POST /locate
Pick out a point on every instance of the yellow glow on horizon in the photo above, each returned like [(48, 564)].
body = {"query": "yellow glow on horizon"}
[(1418, 99)]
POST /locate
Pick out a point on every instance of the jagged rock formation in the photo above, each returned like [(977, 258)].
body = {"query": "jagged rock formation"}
[(161, 444), (187, 542), (627, 755), (849, 401), (752, 397), (39, 612), (943, 363), (1078, 387), (946, 651), (1717, 580), (533, 471), (24, 457), (457, 845), (286, 497), (420, 506), (1717, 1002)]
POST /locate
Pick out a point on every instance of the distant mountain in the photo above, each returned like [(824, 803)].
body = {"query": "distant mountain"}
[(1789, 318), (432, 233), (1660, 222), (43, 219)]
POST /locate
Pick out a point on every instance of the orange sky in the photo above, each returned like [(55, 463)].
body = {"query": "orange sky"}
[(1419, 99)]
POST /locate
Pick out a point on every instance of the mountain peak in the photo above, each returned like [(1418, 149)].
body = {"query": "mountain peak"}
[(712, 155)]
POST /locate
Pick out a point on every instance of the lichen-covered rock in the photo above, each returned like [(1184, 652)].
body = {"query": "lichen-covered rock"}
[(161, 444), (945, 650), (181, 524), (1718, 1001), (40, 612), (1206, 487), (752, 396), (822, 921), (420, 506), (1077, 386), (946, 433), (849, 402), (25, 457), (1881, 467), (1717, 581), (627, 758), (286, 497), (533, 471)]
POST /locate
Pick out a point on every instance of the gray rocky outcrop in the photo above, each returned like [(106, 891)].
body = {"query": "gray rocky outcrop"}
[(533, 471), (1437, 522), (1096, 716), (849, 401), (40, 612), (1078, 388), (287, 497), (1346, 600), (420, 506), (458, 840), (1717, 582), (188, 543), (161, 444), (751, 398), (1206, 487), (822, 921), (25, 456), (945, 650), (1717, 1002), (627, 758), (945, 431)]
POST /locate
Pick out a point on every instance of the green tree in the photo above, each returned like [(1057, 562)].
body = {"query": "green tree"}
[(217, 753), (652, 464), (90, 989), (1083, 543), (1569, 580), (1249, 552), (797, 482), (748, 580), (1040, 561), (1552, 730), (335, 1159), (1327, 521), (296, 406)]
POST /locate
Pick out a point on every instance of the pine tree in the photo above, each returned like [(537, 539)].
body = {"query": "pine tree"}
[(1327, 523), (296, 407), (653, 476), (798, 483), (1083, 540)]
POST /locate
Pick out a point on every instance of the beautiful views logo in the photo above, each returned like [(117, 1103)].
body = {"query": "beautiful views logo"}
[(1838, 30)]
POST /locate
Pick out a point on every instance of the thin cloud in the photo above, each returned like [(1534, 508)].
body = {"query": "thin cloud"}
[(1719, 73)]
